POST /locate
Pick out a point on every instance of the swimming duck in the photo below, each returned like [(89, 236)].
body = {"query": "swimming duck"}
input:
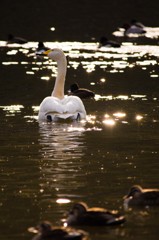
[(136, 23), (80, 214), (104, 42), (137, 196), (57, 106), (80, 92), (132, 29), (41, 48), (45, 231), (13, 39)]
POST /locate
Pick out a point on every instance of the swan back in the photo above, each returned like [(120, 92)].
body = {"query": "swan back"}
[(70, 107)]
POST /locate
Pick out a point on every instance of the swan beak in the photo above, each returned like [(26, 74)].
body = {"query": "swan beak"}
[(47, 52), (43, 52)]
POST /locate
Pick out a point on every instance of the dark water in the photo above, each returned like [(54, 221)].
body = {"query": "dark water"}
[(94, 161)]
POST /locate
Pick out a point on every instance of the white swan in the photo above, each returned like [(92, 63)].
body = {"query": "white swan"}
[(57, 106)]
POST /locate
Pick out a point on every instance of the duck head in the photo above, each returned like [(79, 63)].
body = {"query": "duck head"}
[(78, 209), (134, 191)]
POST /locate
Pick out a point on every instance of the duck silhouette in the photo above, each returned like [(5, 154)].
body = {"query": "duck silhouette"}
[(13, 39), (137, 196), (104, 42), (45, 231), (80, 92), (80, 214), (41, 48), (137, 23), (132, 29)]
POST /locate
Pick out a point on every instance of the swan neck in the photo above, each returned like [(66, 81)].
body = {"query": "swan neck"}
[(58, 90)]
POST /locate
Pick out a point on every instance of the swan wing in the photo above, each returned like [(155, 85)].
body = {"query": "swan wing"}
[(74, 104)]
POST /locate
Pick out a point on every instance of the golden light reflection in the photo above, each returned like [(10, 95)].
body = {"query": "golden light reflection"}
[(92, 83), (119, 114), (146, 62), (25, 51), (12, 52), (11, 110), (109, 122), (30, 72), (138, 96), (99, 97), (52, 28), (117, 58), (14, 108), (35, 108), (63, 200), (91, 119), (45, 78), (120, 64), (74, 64), (154, 75), (10, 63), (107, 115), (139, 117), (122, 97), (102, 80)]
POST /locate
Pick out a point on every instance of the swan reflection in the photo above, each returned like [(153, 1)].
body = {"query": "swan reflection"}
[(61, 141), (62, 147)]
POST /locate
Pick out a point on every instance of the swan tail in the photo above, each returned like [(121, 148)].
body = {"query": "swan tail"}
[(63, 117)]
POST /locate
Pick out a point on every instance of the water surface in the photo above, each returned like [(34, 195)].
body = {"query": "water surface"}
[(45, 168)]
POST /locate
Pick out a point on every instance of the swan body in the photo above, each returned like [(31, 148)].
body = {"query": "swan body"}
[(80, 214), (137, 196), (57, 106), (70, 107)]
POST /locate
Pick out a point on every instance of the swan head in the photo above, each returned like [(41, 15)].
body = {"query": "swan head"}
[(55, 54)]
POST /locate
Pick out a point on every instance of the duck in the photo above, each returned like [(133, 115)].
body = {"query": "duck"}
[(104, 42), (132, 29), (41, 48), (45, 231), (137, 196), (80, 92), (137, 23), (80, 214), (12, 39), (59, 106)]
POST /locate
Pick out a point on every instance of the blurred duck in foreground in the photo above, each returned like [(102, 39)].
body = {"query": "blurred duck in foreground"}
[(133, 29), (137, 196), (45, 231), (80, 214), (80, 92), (104, 42), (13, 39)]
